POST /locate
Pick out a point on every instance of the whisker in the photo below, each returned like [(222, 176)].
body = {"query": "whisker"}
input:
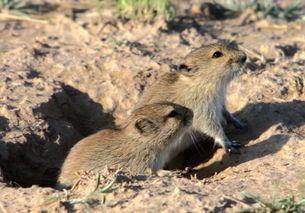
[(214, 145), (197, 146)]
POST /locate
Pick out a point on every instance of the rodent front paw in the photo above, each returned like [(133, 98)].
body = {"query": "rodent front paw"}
[(232, 147)]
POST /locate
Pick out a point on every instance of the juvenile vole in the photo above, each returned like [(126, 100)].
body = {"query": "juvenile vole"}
[(143, 142), (201, 86)]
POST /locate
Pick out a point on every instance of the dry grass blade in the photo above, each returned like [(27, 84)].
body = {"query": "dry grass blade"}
[(253, 53), (6, 16), (79, 200)]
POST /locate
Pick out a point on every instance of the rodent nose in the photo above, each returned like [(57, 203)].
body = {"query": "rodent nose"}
[(188, 116), (243, 57)]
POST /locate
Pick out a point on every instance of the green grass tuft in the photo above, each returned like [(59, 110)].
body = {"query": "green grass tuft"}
[(294, 11), (286, 205), (16, 10), (237, 5), (69, 197), (144, 9), (13, 6)]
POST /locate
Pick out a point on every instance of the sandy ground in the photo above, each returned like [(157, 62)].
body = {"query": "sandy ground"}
[(79, 73)]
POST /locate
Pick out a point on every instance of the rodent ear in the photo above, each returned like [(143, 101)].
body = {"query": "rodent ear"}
[(146, 126)]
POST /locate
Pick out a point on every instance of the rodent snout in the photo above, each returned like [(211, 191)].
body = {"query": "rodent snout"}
[(243, 57), (187, 116)]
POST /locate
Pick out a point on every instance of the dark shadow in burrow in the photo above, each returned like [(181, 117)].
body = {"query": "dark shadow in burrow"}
[(70, 115)]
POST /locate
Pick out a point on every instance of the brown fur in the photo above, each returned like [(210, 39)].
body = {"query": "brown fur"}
[(201, 86), (140, 144)]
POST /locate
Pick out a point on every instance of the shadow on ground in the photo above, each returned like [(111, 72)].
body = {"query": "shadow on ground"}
[(69, 116), (288, 116)]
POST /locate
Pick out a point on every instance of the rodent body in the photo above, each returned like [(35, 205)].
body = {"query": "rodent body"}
[(201, 86), (143, 142)]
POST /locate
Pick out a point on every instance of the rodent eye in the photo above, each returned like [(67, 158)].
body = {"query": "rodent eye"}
[(173, 113), (217, 54)]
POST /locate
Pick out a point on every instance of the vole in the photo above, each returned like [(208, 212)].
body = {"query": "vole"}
[(143, 142), (201, 86)]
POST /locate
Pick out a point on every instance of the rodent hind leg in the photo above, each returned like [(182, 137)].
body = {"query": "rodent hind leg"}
[(232, 120)]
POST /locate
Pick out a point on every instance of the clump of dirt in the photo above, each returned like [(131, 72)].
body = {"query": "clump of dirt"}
[(73, 76)]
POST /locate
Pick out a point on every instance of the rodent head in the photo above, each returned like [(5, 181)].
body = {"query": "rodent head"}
[(220, 60), (160, 121)]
